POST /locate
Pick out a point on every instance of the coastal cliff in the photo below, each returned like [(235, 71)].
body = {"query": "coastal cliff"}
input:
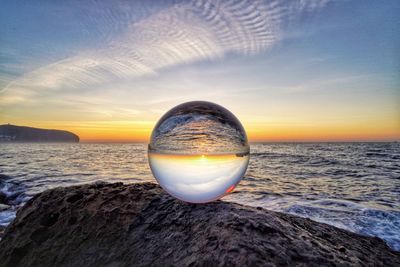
[(14, 133), (140, 225)]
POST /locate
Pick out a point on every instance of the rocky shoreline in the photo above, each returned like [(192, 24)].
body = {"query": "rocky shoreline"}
[(140, 225)]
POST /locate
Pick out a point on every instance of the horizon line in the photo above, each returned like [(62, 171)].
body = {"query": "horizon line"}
[(250, 142)]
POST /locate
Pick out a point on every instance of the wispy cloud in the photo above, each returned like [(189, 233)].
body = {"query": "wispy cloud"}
[(182, 33)]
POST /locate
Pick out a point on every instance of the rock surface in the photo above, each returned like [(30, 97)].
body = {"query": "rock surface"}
[(138, 224), (14, 133)]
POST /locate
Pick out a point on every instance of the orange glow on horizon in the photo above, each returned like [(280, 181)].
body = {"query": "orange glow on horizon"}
[(140, 131)]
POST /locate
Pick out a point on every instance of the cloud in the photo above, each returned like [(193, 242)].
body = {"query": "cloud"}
[(178, 34), (326, 83)]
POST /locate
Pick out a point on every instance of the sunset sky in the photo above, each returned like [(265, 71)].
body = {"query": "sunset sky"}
[(315, 70)]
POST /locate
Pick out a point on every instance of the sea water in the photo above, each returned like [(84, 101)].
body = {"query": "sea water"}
[(355, 186)]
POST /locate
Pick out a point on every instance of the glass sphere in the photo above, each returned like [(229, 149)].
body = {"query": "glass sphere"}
[(198, 152)]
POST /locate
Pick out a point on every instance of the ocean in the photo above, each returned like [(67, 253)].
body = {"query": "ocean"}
[(355, 186)]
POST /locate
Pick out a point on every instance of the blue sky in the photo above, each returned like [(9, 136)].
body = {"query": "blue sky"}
[(290, 70)]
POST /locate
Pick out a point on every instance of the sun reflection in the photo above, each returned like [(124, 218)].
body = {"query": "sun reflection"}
[(198, 178)]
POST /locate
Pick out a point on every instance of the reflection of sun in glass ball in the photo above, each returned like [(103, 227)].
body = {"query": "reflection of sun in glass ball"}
[(198, 151)]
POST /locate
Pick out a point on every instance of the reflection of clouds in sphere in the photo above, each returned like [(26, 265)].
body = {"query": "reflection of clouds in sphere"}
[(198, 151)]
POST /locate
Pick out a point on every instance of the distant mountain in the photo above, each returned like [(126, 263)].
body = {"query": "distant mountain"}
[(14, 133)]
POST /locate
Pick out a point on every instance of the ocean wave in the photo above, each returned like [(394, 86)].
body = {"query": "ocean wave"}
[(6, 217), (12, 197), (353, 217), (333, 183), (14, 193), (376, 154)]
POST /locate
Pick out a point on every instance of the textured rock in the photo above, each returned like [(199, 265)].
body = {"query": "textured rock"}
[(14, 133), (139, 224), (1, 231)]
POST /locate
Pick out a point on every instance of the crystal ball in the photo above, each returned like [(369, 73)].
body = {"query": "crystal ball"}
[(198, 152)]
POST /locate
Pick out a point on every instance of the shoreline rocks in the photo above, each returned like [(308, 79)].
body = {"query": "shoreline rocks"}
[(139, 224)]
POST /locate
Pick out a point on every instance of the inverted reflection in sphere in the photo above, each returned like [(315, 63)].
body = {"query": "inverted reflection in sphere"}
[(198, 151)]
